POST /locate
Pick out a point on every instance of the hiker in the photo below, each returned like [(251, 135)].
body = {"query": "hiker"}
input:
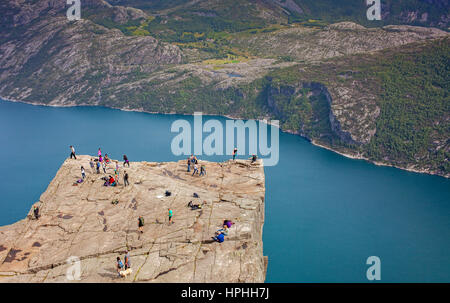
[(202, 170), (125, 160), (106, 159), (36, 212), (98, 167), (219, 237), (72, 152), (194, 206), (189, 164), (234, 153), (228, 223), (83, 173), (125, 179), (253, 157), (119, 266), (117, 166), (195, 160), (91, 163), (99, 152), (195, 169), (100, 159), (141, 224), (170, 215), (127, 260), (104, 166)]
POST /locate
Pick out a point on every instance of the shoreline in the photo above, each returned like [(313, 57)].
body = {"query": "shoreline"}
[(268, 122)]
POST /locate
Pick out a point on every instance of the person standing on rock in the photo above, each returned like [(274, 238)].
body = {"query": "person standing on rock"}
[(127, 260), (170, 215), (195, 169), (91, 163), (125, 179), (202, 170), (99, 153), (83, 173), (98, 167), (234, 153), (36, 212), (125, 161), (141, 224), (104, 166), (119, 266), (72, 152), (189, 165)]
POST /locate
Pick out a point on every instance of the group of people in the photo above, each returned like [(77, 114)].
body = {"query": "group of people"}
[(125, 264), (193, 161), (103, 162), (221, 233)]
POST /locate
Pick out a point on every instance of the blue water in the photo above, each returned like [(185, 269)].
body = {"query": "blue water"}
[(325, 214)]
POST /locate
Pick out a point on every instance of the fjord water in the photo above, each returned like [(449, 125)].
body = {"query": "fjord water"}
[(324, 214)]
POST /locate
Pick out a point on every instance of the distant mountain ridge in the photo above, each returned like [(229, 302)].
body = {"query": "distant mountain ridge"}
[(378, 93)]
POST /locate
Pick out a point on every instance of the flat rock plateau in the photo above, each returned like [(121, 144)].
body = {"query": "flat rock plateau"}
[(82, 221)]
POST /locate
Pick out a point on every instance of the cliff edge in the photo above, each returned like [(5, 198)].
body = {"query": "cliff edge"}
[(81, 221)]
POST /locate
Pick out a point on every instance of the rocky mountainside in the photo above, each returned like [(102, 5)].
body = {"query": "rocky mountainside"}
[(81, 221), (330, 82)]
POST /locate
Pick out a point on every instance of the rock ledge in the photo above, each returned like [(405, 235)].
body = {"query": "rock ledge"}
[(81, 221)]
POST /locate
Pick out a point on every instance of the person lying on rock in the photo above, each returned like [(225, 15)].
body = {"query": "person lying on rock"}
[(194, 206)]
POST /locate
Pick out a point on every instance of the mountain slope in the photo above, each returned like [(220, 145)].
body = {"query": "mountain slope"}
[(375, 93)]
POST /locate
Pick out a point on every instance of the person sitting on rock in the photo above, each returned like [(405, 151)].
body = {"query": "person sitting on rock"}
[(253, 157), (219, 237), (228, 223), (223, 230), (111, 181)]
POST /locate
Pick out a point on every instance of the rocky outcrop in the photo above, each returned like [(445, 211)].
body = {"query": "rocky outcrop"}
[(80, 221)]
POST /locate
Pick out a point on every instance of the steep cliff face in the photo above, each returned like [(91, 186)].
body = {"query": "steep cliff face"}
[(350, 121), (80, 221), (390, 107)]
